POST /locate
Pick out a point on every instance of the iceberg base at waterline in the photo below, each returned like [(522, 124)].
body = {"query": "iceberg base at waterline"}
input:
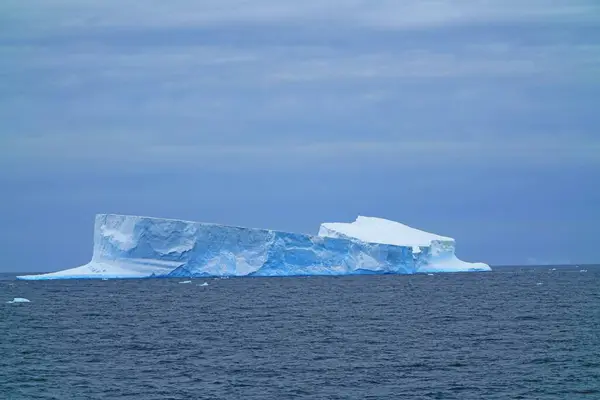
[(145, 247)]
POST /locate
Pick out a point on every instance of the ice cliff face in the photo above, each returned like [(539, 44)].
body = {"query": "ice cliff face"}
[(137, 247), (431, 252)]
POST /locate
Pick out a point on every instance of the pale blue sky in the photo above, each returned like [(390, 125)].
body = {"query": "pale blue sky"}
[(476, 119)]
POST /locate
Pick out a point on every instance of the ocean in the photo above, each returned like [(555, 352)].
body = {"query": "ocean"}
[(514, 333)]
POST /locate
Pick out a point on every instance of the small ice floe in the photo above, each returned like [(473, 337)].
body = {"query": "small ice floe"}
[(19, 300), (429, 274), (539, 283), (553, 269), (204, 284), (583, 270), (104, 279), (185, 282)]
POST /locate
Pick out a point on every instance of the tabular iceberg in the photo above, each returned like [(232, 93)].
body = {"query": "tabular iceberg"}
[(144, 247)]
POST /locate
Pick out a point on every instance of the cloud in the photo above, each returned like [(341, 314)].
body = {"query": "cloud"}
[(126, 153), (70, 14), (181, 83)]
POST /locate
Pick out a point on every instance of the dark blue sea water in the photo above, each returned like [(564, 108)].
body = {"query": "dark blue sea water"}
[(515, 333)]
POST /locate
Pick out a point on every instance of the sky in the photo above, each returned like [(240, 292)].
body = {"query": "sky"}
[(475, 119)]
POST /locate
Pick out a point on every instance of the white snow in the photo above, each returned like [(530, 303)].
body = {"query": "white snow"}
[(19, 300), (452, 264), (379, 230), (104, 270)]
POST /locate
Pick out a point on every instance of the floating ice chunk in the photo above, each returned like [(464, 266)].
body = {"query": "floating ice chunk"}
[(430, 274), (583, 270), (204, 284), (539, 283), (185, 282), (19, 300)]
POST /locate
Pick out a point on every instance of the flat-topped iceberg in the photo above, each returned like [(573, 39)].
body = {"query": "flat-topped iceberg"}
[(143, 247)]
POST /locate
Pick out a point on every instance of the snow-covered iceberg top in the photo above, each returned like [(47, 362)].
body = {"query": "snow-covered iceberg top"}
[(144, 247), (379, 230)]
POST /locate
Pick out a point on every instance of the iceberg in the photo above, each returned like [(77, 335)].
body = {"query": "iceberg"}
[(128, 246)]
